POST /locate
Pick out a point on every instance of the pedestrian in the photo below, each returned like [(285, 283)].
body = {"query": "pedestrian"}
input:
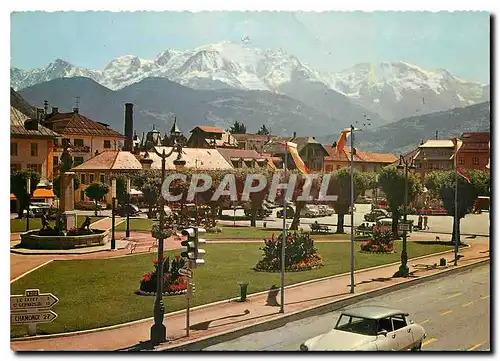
[(420, 222), (426, 219)]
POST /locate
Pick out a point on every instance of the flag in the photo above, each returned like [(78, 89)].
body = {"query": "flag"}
[(463, 175), (342, 140), (299, 163)]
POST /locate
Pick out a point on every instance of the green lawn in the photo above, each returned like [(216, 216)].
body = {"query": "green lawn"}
[(97, 293), (19, 225), (137, 224)]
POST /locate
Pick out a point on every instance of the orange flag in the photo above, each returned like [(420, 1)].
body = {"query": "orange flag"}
[(299, 163), (342, 140)]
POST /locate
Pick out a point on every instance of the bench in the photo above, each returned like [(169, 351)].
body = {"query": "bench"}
[(320, 228)]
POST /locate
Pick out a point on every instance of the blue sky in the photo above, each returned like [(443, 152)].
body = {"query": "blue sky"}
[(458, 42)]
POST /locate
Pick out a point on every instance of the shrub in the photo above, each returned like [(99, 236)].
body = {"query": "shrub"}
[(173, 282), (381, 241), (300, 253)]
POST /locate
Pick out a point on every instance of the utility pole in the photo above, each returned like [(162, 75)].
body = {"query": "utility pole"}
[(351, 255)]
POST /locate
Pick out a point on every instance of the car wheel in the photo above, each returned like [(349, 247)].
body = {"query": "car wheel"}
[(418, 347)]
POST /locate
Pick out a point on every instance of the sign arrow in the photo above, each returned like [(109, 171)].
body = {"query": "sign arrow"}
[(32, 317), (36, 301)]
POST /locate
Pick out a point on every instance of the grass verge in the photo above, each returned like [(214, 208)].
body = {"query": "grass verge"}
[(19, 225), (97, 293)]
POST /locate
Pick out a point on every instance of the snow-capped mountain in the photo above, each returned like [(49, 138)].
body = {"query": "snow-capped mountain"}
[(397, 90), (390, 90)]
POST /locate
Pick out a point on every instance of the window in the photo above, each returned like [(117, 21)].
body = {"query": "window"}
[(65, 142), (55, 160), (461, 160), (329, 168), (78, 142), (362, 326), (77, 161), (82, 195), (34, 149), (107, 144), (475, 160), (384, 324), (13, 148), (339, 167), (398, 322), (91, 178), (83, 178), (35, 167), (102, 178), (56, 142), (363, 168), (15, 167)]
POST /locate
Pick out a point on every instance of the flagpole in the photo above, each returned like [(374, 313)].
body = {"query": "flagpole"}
[(283, 240), (456, 205), (352, 210)]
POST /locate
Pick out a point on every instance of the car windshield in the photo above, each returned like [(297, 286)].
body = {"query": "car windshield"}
[(359, 325)]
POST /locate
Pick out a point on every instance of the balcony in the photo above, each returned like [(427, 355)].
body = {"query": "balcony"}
[(74, 148)]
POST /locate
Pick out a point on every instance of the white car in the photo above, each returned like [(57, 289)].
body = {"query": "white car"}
[(371, 328), (309, 211)]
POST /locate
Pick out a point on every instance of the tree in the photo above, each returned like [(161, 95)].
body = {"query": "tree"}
[(263, 130), (342, 184), (238, 128), (18, 187), (96, 192), (150, 192), (56, 184), (392, 182), (443, 183)]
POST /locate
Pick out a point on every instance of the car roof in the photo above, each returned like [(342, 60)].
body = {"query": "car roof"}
[(373, 312)]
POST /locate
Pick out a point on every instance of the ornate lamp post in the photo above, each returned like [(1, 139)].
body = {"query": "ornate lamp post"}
[(113, 202), (127, 231), (406, 165), (158, 330), (28, 189)]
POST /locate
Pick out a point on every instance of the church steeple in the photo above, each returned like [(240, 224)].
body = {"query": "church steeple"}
[(175, 129)]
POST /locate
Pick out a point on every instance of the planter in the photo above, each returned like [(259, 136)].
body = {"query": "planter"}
[(32, 240)]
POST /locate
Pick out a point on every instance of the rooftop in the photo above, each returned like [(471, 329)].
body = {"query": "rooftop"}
[(111, 160), (230, 154), (360, 156), (439, 143), (208, 129), (17, 128), (199, 158), (373, 312), (77, 124)]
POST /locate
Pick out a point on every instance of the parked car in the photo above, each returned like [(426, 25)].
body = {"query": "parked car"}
[(370, 328), (325, 210), (309, 211), (131, 209), (90, 205), (376, 214), (290, 212), (263, 211)]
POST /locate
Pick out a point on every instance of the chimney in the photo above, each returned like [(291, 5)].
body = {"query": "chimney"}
[(75, 110), (46, 107), (145, 161), (294, 135), (129, 127), (39, 113), (55, 110)]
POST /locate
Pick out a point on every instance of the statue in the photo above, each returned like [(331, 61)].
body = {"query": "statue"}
[(86, 224), (45, 223)]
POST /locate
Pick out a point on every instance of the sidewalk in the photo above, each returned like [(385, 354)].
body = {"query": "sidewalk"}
[(226, 316)]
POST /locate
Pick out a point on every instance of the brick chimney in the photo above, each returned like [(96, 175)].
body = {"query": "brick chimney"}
[(55, 110), (129, 127)]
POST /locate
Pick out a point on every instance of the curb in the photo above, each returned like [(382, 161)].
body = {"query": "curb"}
[(200, 344), (106, 328)]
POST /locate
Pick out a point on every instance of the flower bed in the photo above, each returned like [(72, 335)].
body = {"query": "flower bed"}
[(300, 254), (173, 282), (381, 241)]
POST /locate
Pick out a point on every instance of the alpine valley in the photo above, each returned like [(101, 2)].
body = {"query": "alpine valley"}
[(217, 84)]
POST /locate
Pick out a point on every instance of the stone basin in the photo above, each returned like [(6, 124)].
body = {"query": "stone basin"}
[(32, 240)]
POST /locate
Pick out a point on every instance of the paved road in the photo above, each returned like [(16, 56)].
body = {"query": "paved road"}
[(454, 310)]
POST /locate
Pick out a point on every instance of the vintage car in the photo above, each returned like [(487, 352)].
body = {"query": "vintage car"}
[(370, 328), (375, 214)]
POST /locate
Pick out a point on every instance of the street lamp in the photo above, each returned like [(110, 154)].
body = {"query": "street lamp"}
[(127, 231), (406, 165), (28, 189), (158, 330), (113, 201)]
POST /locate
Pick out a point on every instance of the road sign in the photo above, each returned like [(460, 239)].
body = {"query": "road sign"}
[(404, 226), (32, 300), (186, 272), (32, 317)]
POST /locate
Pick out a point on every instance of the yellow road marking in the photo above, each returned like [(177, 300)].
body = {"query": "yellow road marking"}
[(483, 297), (425, 321), (429, 341), (475, 346), (467, 304), (446, 312), (455, 295)]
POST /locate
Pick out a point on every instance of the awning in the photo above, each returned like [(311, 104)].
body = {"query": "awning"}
[(42, 193), (135, 192)]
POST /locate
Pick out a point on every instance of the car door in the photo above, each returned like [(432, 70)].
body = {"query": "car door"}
[(389, 341), (402, 330)]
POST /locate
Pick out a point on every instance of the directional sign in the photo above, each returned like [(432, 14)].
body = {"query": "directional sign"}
[(186, 272), (32, 300), (32, 317)]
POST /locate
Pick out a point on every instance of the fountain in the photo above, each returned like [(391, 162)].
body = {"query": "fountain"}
[(65, 234)]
